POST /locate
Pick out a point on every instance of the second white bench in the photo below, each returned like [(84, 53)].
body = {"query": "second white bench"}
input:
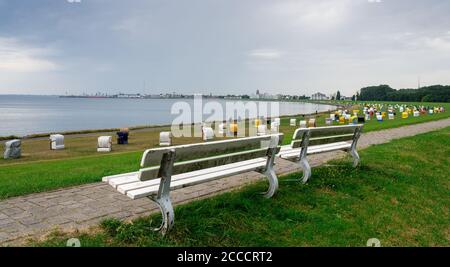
[(307, 141)]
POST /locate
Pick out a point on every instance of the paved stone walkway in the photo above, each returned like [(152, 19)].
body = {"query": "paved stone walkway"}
[(84, 206)]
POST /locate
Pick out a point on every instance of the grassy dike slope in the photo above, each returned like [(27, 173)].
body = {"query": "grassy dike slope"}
[(399, 195)]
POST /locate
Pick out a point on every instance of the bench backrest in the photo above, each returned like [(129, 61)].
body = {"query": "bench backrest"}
[(304, 137), (191, 157)]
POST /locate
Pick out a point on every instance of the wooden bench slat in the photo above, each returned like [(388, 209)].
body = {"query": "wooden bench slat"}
[(332, 130), (327, 149), (290, 154), (327, 145), (124, 188), (129, 178), (111, 177), (204, 163), (147, 191), (332, 137), (295, 152), (326, 131), (312, 147), (324, 140), (285, 148)]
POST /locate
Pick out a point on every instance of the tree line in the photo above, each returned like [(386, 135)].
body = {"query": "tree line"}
[(434, 93)]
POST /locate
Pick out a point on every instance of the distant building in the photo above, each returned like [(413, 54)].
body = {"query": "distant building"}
[(319, 96), (260, 95), (129, 96)]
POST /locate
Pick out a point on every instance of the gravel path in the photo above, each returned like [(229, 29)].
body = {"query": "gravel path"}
[(84, 206)]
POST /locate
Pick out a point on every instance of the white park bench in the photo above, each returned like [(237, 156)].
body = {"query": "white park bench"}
[(307, 141), (170, 168)]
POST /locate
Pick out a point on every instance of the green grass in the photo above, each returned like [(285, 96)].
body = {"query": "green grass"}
[(41, 169), (21, 179), (399, 195)]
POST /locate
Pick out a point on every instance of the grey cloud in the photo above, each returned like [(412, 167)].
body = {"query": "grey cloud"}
[(232, 46)]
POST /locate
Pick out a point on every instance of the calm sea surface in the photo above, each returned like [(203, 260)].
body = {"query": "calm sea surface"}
[(23, 115)]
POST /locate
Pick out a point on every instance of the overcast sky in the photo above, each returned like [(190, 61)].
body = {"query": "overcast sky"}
[(221, 46)]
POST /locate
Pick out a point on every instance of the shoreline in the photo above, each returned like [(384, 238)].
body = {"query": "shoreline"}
[(332, 107), (134, 128)]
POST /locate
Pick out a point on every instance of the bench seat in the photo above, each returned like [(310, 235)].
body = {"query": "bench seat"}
[(130, 185), (287, 152)]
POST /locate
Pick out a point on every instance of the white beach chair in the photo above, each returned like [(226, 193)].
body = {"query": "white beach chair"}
[(262, 130), (277, 120), (222, 128), (13, 149), (312, 123), (104, 144), (274, 127), (56, 141), (165, 138), (207, 133), (303, 124)]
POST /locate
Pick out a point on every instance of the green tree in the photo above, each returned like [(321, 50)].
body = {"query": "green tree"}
[(434, 93), (338, 95)]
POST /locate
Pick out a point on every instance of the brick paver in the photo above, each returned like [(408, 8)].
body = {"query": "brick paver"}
[(84, 206)]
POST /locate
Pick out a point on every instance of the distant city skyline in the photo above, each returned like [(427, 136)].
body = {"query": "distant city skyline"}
[(255, 96), (292, 47)]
